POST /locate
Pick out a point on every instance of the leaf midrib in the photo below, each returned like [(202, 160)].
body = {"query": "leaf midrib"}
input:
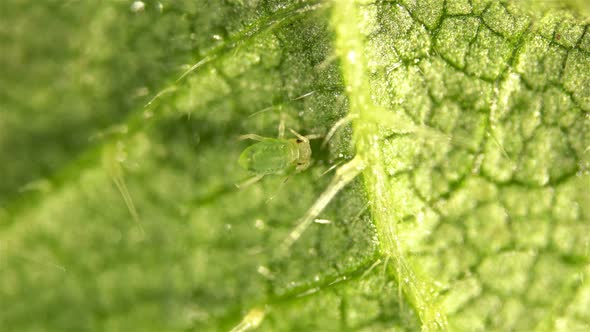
[(350, 50)]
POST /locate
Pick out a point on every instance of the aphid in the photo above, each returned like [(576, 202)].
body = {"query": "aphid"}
[(289, 156), (276, 155)]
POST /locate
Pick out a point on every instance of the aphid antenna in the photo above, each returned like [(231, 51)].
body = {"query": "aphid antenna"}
[(266, 109), (305, 138), (313, 136), (279, 106), (281, 120), (298, 135), (253, 137), (340, 123)]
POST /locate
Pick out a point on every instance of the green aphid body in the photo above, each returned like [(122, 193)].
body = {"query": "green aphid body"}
[(276, 156)]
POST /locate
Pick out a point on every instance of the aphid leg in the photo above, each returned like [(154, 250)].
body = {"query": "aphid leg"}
[(314, 136), (111, 161), (261, 111), (299, 136), (252, 137), (282, 126), (252, 320), (343, 176), (278, 189), (305, 138), (340, 123), (250, 181)]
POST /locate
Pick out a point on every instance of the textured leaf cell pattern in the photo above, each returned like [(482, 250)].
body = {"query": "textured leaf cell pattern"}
[(119, 127)]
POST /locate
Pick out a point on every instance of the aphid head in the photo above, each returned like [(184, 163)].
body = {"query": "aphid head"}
[(304, 159)]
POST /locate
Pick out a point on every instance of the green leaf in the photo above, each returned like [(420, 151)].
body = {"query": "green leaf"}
[(119, 129)]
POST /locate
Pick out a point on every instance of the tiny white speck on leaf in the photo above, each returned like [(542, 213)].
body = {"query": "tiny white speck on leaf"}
[(351, 57), (138, 6)]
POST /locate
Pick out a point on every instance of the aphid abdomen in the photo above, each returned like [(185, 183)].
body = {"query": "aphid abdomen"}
[(270, 156)]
